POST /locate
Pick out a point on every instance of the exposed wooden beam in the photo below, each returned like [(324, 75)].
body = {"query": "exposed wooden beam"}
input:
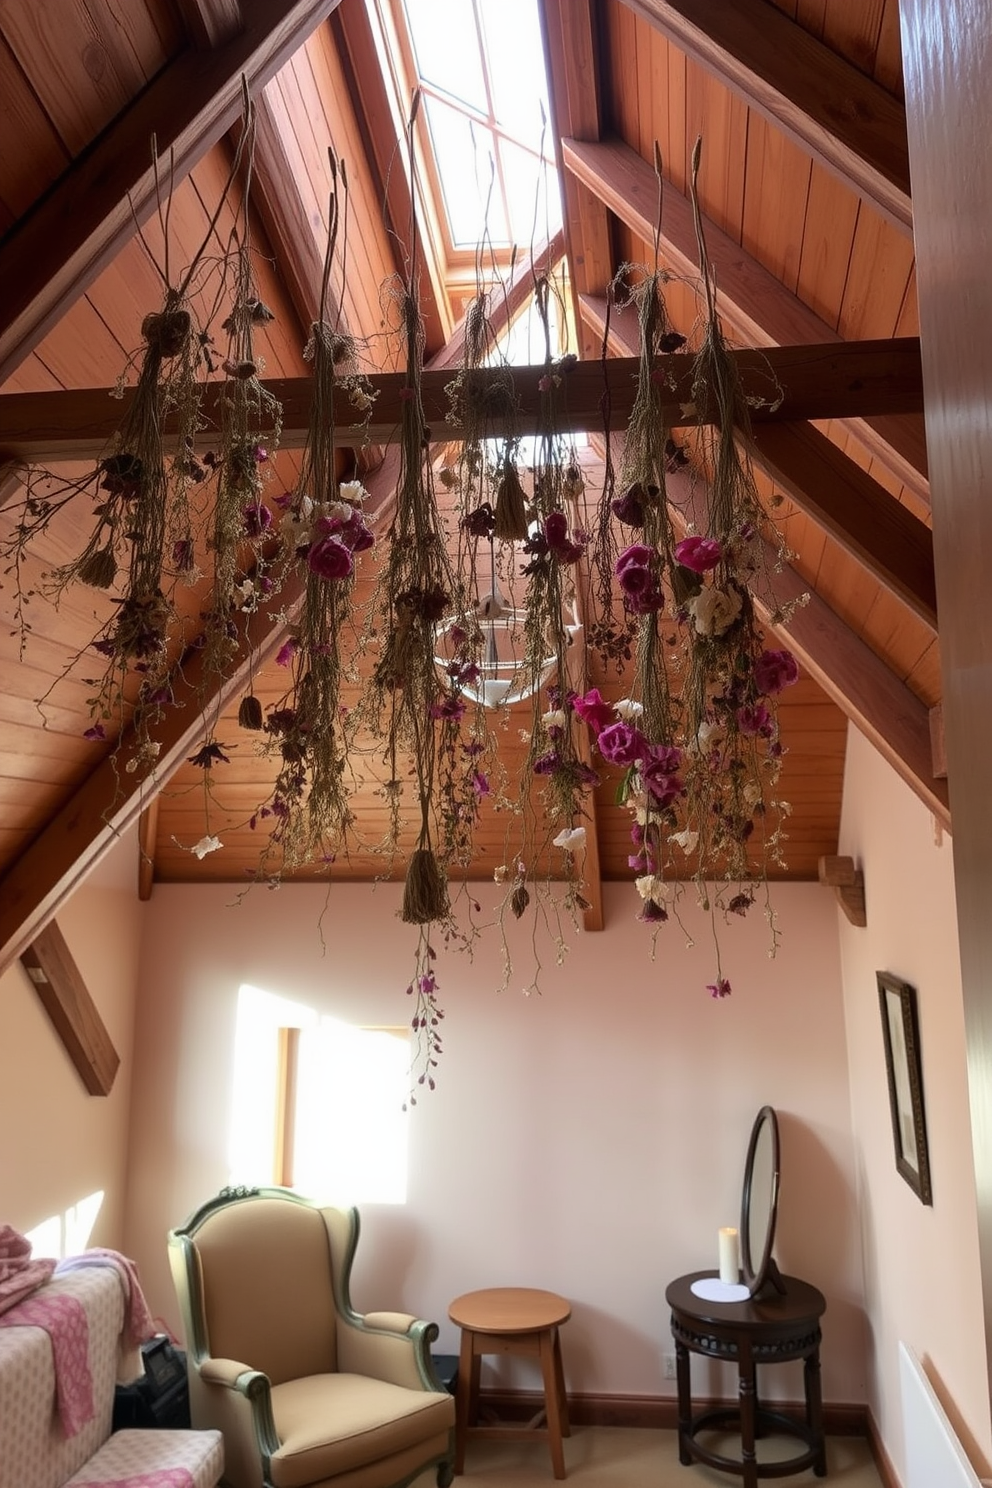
[(569, 34), (147, 834), (385, 157), (756, 308), (819, 99), (276, 197), (865, 519), (67, 1001), (211, 22), (61, 246), (817, 382), (858, 681)]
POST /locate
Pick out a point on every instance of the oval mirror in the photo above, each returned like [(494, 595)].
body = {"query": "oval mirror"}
[(759, 1202)]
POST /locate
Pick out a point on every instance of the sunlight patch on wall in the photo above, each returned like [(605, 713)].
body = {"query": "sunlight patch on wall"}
[(67, 1234), (350, 1084)]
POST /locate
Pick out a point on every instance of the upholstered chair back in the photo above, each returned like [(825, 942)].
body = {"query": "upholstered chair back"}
[(268, 1297)]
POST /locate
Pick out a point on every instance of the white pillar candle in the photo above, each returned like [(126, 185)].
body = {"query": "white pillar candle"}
[(729, 1256)]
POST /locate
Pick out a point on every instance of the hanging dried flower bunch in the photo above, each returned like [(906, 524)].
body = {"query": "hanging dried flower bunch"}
[(698, 742), (324, 530), (251, 420), (142, 541)]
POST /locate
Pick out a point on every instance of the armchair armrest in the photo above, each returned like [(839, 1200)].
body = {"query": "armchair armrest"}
[(224, 1372), (243, 1410), (391, 1346)]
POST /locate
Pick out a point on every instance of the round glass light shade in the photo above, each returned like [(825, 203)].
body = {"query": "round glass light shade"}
[(504, 677)]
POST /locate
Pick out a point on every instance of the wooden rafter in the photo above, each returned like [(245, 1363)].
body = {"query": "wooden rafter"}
[(385, 156), (571, 57), (211, 22), (817, 382), (843, 499), (288, 228), (61, 246), (757, 309), (821, 101)]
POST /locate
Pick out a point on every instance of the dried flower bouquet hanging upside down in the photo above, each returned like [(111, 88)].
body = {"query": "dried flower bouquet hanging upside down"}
[(673, 581)]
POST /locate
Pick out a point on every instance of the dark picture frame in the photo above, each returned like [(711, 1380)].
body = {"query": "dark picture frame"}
[(901, 1035)]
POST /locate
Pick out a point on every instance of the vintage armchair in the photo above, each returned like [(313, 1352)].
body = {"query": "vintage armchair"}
[(308, 1393)]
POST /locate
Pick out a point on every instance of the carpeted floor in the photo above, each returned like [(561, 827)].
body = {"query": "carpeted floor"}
[(625, 1457)]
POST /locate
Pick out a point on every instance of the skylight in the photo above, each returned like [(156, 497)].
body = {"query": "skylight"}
[(480, 68)]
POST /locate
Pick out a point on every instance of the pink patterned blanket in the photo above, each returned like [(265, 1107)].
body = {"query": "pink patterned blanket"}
[(64, 1320), (19, 1274), (139, 1325)]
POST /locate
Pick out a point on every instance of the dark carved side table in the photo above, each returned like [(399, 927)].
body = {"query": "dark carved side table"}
[(769, 1329)]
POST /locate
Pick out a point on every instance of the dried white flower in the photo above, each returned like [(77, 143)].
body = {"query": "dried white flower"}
[(204, 846), (714, 611), (570, 838), (685, 840), (628, 709), (554, 718), (353, 492)]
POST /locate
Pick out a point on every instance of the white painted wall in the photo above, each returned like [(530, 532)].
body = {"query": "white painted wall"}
[(58, 1144), (590, 1140), (922, 1276)]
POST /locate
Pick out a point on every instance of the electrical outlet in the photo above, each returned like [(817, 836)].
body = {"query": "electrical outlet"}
[(669, 1362)]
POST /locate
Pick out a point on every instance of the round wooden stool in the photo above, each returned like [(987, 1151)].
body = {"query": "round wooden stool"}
[(511, 1320)]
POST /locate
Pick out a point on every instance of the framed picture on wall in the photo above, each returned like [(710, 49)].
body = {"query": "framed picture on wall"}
[(901, 1034)]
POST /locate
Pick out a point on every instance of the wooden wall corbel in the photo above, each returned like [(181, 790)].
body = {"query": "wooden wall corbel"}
[(64, 996), (849, 882)]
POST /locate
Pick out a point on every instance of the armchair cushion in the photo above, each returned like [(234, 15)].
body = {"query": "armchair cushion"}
[(270, 1298), (333, 1423)]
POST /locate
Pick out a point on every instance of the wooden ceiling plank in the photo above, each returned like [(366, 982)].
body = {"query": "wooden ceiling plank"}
[(818, 98), (866, 690), (63, 243), (817, 382), (756, 307)]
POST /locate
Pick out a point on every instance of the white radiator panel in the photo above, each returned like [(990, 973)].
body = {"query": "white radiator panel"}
[(934, 1456)]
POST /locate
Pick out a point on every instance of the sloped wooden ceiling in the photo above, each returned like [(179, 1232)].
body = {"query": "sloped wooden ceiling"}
[(805, 198)]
